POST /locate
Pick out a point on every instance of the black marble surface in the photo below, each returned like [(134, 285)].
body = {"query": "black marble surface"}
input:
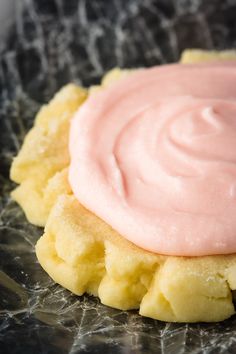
[(53, 42)]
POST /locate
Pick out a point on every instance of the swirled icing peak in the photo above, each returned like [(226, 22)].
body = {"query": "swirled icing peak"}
[(154, 156)]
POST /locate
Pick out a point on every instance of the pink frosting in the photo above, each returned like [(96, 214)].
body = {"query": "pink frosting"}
[(154, 156)]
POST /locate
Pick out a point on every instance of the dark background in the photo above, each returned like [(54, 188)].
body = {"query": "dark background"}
[(51, 43)]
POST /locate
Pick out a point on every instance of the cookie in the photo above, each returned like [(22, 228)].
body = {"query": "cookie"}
[(84, 254)]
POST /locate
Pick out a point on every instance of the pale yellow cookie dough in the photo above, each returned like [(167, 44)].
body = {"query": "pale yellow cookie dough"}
[(44, 156), (84, 254)]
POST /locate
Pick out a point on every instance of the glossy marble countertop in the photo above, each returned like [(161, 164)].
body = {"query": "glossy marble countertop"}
[(51, 43)]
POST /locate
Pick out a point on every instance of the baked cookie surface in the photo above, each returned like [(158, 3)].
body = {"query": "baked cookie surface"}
[(84, 254)]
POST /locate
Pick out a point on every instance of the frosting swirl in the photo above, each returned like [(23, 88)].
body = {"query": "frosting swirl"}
[(154, 155)]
